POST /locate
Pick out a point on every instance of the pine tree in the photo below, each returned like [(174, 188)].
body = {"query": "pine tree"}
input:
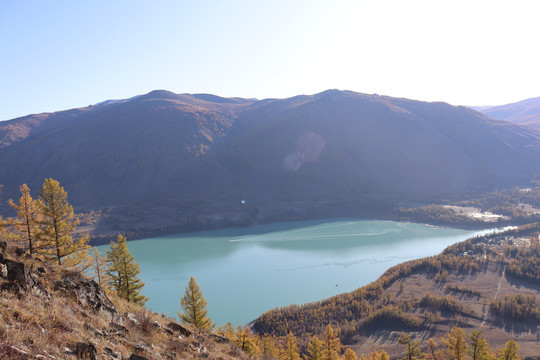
[(349, 355), (123, 271), (478, 349), (57, 221), (315, 349), (194, 306), (413, 347), (290, 351), (331, 345), (510, 352), (456, 344), (27, 217)]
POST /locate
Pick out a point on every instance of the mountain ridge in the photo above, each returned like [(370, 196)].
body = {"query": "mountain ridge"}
[(199, 155)]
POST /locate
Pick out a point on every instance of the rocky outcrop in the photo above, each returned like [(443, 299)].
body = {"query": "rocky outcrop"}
[(20, 276), (89, 293)]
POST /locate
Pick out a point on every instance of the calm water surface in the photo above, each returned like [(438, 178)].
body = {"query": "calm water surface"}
[(244, 272)]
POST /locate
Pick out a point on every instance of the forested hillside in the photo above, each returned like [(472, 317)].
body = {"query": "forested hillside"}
[(487, 283)]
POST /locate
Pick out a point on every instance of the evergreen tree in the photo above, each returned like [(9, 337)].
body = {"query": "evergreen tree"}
[(510, 352), (349, 355), (315, 349), (456, 344), (57, 221), (27, 217), (123, 271), (331, 345), (290, 351), (194, 306), (478, 348), (413, 347)]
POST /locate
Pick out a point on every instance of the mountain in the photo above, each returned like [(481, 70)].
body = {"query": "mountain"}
[(193, 158), (526, 112)]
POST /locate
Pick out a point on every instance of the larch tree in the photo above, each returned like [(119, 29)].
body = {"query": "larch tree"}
[(194, 305), (56, 223), (290, 350), (98, 268), (349, 355), (413, 347), (314, 349), (27, 214), (123, 272), (510, 352), (376, 355), (478, 348), (456, 344), (331, 345)]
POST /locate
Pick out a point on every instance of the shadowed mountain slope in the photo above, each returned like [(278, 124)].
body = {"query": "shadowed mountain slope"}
[(333, 146)]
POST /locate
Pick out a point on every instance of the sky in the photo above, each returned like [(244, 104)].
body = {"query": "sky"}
[(57, 55)]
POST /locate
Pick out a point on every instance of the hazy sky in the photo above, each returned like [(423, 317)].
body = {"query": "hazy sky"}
[(56, 55)]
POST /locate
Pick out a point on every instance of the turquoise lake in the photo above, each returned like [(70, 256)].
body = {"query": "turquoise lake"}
[(244, 272)]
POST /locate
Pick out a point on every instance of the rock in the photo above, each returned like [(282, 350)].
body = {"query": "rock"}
[(112, 354), (219, 339), (137, 357), (21, 274), (89, 293), (19, 252), (3, 270), (85, 351), (118, 329), (179, 329), (133, 318)]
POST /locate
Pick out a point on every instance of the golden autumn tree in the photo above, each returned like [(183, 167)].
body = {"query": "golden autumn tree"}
[(478, 348), (314, 349), (194, 306), (123, 272), (349, 355), (331, 345), (376, 355), (290, 349), (509, 352), (56, 224), (97, 268), (27, 221), (456, 344)]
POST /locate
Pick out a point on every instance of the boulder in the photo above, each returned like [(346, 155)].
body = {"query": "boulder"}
[(21, 274), (137, 357), (179, 329), (85, 351)]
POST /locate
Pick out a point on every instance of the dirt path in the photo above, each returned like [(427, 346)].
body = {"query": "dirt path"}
[(486, 311)]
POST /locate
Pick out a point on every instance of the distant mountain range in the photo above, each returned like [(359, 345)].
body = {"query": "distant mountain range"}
[(204, 154), (526, 112)]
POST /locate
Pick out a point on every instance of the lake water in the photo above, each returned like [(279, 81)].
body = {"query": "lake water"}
[(244, 272)]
